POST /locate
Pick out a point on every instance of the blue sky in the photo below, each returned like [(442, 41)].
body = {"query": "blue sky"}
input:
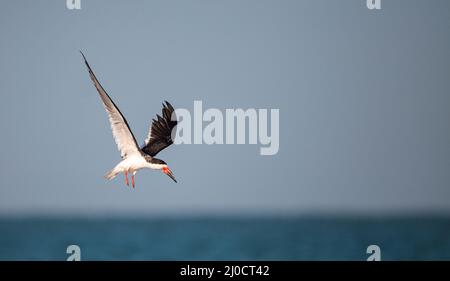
[(363, 98)]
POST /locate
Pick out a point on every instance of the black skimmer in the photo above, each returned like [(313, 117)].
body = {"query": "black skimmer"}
[(133, 157)]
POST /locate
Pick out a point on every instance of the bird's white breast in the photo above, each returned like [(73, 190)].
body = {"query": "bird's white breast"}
[(134, 162)]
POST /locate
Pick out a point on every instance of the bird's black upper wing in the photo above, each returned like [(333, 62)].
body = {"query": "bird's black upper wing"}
[(160, 133)]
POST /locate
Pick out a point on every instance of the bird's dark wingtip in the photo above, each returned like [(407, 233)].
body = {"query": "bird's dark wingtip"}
[(86, 62), (82, 54), (168, 105)]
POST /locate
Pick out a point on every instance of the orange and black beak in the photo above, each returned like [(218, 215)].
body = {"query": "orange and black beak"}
[(168, 172)]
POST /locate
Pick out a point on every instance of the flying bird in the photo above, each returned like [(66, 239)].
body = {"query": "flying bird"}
[(134, 157)]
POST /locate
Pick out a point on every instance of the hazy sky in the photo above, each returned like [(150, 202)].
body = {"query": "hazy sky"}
[(364, 100)]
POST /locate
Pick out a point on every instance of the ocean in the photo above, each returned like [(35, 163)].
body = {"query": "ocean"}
[(226, 238)]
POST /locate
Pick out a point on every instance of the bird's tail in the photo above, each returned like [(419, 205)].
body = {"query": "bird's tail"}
[(112, 174)]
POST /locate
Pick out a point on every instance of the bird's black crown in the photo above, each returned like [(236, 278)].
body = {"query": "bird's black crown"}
[(157, 161)]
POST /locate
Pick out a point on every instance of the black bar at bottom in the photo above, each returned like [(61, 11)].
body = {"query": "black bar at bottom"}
[(223, 270)]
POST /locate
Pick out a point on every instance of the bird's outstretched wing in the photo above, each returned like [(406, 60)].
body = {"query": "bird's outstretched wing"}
[(123, 136), (160, 133)]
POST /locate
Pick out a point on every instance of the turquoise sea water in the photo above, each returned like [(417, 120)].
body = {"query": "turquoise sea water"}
[(294, 238)]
